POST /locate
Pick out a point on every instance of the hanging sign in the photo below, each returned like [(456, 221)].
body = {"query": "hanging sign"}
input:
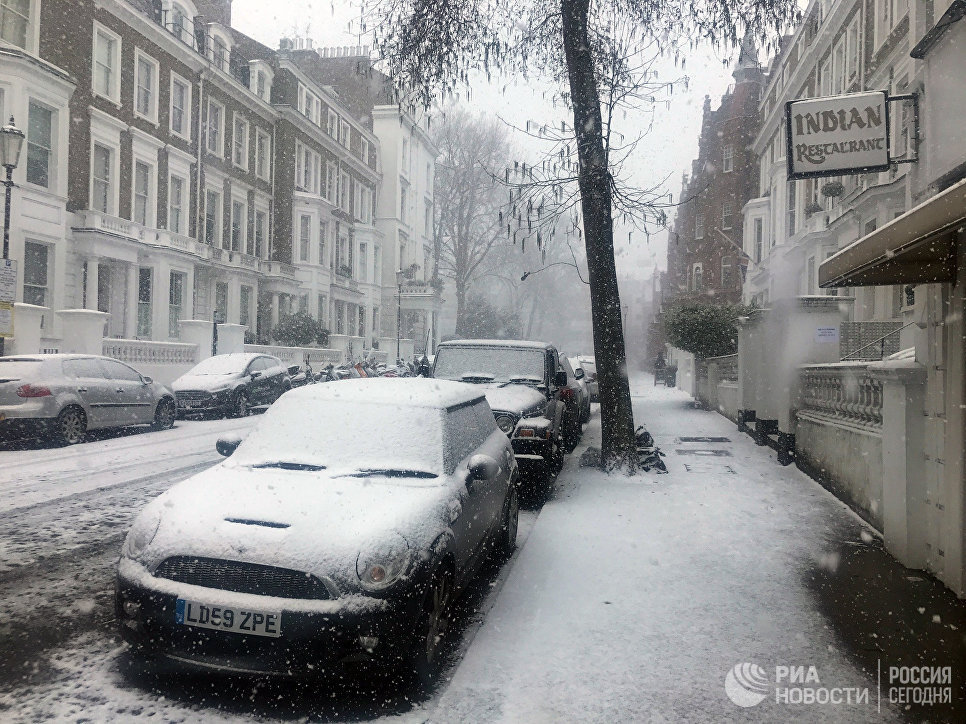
[(837, 135)]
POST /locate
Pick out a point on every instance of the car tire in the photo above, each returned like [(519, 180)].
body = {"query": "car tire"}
[(70, 428), (431, 627), (239, 405), (506, 541), (165, 415)]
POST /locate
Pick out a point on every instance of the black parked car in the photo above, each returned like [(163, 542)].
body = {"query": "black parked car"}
[(231, 384), (523, 382)]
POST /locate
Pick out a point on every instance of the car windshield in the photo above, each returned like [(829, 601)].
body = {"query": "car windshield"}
[(346, 435), (499, 364), (220, 365)]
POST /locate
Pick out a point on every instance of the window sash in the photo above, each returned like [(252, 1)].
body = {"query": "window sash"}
[(14, 21), (175, 201), (35, 273), (179, 101), (240, 143), (237, 224), (104, 61), (212, 214), (305, 237), (101, 173), (259, 234), (142, 186), (214, 128), (39, 145), (145, 87), (175, 303)]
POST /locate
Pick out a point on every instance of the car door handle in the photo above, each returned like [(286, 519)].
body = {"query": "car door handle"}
[(82, 389)]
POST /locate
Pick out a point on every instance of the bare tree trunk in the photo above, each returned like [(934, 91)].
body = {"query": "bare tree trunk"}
[(460, 309), (617, 418)]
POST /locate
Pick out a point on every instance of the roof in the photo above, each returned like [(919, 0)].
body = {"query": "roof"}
[(405, 391), (514, 343)]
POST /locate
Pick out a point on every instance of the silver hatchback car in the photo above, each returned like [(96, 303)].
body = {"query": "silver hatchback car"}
[(62, 396)]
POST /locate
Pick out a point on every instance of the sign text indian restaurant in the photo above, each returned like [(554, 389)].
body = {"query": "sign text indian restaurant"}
[(838, 135)]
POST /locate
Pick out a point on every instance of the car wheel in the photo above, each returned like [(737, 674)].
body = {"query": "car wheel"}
[(165, 414), (71, 426), (507, 539), (432, 626), (239, 405)]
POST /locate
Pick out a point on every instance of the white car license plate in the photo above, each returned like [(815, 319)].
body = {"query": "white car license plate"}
[(225, 618)]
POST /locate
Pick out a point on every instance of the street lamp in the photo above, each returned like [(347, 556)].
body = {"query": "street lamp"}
[(11, 143), (400, 275)]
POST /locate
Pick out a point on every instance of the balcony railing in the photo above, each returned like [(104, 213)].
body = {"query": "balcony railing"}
[(842, 392)]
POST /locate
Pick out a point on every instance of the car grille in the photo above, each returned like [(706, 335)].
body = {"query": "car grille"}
[(193, 395), (242, 577)]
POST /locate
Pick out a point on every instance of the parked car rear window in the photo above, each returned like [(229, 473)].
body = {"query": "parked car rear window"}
[(503, 363), (19, 369), (219, 365)]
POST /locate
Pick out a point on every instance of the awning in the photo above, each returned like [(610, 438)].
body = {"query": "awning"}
[(918, 247)]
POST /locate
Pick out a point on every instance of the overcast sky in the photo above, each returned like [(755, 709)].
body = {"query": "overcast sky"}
[(666, 152)]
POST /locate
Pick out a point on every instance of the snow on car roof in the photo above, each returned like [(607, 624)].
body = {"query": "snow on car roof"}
[(407, 391), (516, 343)]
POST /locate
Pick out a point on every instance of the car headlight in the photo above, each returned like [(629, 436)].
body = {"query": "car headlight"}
[(141, 534), (383, 564), (506, 423)]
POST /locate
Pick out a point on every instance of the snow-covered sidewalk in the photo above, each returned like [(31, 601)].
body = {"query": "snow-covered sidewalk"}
[(635, 596)]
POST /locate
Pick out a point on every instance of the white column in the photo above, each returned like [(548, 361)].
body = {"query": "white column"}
[(160, 291), (130, 328), (91, 291), (274, 309)]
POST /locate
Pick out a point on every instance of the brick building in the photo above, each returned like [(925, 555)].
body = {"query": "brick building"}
[(705, 258)]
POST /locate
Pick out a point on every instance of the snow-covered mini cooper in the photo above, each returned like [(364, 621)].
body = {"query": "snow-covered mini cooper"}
[(339, 530), (522, 381)]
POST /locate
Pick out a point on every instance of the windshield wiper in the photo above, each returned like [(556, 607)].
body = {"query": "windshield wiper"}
[(284, 465), (477, 376), (524, 379), (389, 473)]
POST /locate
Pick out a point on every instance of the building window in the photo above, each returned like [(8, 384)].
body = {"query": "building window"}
[(332, 123), (791, 207), (239, 141), (213, 218), (759, 239), (221, 300), (728, 158), (344, 133), (107, 61), (216, 120), (245, 305), (144, 302), (322, 310), (364, 151), (699, 225), (262, 154), (362, 322), (180, 106), (323, 234), (15, 21), (330, 182), (39, 144), (237, 225), (428, 220), (219, 53), (697, 278), (403, 203), (363, 263), (261, 84), (142, 192), (35, 273), (727, 214), (146, 87), (261, 219), (344, 198), (176, 204), (305, 237), (175, 303), (101, 160), (727, 272)]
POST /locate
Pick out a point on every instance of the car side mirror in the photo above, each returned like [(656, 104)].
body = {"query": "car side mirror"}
[(146, 380), (483, 467), (227, 445), (561, 379), (256, 375), (579, 373)]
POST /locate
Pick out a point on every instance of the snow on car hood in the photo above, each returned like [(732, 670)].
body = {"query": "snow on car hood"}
[(318, 522), (518, 399), (203, 382)]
